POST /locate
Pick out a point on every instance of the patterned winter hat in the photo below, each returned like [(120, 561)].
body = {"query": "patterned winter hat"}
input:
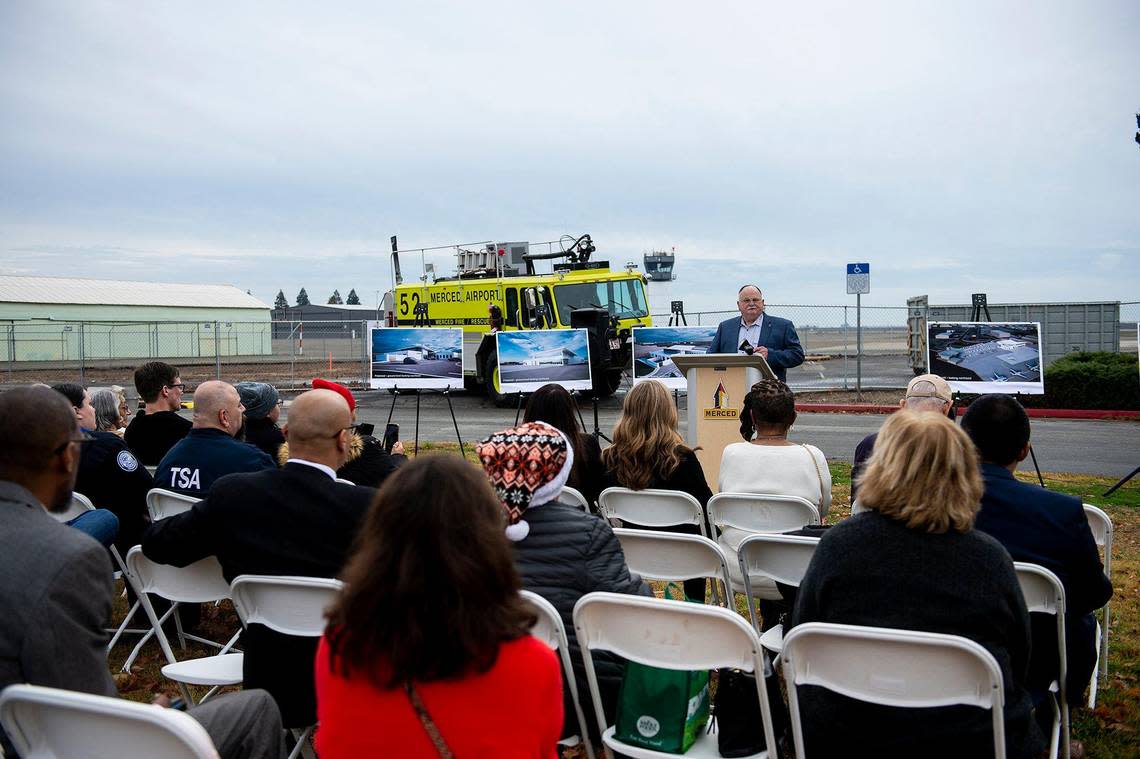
[(528, 466)]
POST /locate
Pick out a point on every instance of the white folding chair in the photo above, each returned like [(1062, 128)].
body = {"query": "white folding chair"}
[(1101, 525), (288, 605), (652, 507), (199, 582), (343, 481), (574, 496), (79, 504), (550, 630), (900, 668), (770, 559), (166, 503), (44, 723), (671, 635), (756, 513), (1044, 594), (674, 557)]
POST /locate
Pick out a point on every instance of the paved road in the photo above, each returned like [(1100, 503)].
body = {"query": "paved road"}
[(1105, 448)]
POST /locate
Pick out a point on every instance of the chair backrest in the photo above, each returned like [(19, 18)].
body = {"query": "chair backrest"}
[(79, 504), (900, 668), (166, 503), (550, 630), (288, 605), (574, 496), (652, 507), (1044, 594), (668, 634), (49, 722), (761, 512), (1101, 525), (783, 558), (199, 582), (672, 556)]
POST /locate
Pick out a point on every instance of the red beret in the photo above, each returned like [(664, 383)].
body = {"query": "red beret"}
[(320, 384)]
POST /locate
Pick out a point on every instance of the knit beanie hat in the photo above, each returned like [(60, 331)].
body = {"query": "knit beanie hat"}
[(259, 398), (322, 384), (528, 466)]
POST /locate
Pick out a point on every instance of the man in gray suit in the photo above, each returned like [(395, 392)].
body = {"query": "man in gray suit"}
[(56, 585)]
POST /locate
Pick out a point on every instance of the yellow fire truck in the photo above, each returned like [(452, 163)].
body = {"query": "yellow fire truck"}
[(497, 288)]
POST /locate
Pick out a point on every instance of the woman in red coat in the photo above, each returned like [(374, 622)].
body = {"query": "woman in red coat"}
[(428, 652)]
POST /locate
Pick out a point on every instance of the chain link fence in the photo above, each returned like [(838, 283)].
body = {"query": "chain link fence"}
[(291, 353)]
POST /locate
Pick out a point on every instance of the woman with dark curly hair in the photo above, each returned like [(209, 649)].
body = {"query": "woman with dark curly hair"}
[(428, 647)]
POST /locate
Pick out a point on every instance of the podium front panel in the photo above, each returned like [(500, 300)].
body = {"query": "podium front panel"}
[(716, 395)]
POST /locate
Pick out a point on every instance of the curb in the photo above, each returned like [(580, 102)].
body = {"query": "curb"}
[(1040, 413)]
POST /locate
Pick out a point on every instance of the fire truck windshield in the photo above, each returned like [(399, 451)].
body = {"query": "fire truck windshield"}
[(623, 298)]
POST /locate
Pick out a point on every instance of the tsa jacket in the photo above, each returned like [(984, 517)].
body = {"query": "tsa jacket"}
[(202, 457)]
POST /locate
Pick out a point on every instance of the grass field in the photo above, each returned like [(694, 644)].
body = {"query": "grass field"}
[(1111, 730)]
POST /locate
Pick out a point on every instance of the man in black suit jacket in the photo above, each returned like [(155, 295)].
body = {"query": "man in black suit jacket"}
[(769, 336), (293, 521), (1043, 528)]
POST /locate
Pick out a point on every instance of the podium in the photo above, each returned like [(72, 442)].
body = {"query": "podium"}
[(718, 383)]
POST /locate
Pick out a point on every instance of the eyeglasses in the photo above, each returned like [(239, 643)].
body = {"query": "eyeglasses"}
[(349, 428), (751, 301), (177, 386), (81, 441)]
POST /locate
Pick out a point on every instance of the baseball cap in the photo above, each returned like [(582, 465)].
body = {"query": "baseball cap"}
[(941, 389)]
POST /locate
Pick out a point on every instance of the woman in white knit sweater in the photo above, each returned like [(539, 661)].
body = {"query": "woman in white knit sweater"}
[(768, 462)]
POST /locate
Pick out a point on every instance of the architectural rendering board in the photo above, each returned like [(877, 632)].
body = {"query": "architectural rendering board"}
[(987, 357), (416, 358), (529, 359), (654, 348)]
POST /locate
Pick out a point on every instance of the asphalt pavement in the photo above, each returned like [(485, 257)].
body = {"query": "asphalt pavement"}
[(1108, 448)]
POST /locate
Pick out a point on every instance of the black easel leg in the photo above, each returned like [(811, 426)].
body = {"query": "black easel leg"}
[(447, 395), (417, 448), (597, 427), (518, 410), (1117, 486), (395, 395), (1033, 456)]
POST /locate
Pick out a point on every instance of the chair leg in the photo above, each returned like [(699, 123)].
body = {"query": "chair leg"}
[(178, 628), (1093, 681), (302, 746), (142, 642), (1104, 646)]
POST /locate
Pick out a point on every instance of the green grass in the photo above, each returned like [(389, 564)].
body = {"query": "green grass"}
[(1111, 730)]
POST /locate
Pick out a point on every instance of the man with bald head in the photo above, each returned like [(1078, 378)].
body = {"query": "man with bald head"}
[(55, 582), (757, 332), (209, 451), (297, 520)]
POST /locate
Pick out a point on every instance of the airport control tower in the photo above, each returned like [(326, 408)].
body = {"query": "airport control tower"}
[(659, 272)]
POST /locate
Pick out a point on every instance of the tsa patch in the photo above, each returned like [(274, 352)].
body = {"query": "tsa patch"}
[(127, 461)]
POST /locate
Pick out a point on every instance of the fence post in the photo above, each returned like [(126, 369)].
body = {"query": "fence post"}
[(217, 354), (845, 348), (82, 348), (365, 336), (858, 348)]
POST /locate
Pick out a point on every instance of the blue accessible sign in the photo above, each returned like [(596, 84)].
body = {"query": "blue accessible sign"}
[(858, 279)]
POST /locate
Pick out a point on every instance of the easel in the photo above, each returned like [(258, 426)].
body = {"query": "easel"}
[(677, 315), (1117, 486), (597, 433), (446, 393)]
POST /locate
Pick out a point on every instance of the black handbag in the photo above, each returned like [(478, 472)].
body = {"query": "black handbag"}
[(736, 713)]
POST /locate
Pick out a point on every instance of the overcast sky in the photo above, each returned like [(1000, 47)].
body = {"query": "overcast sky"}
[(957, 147)]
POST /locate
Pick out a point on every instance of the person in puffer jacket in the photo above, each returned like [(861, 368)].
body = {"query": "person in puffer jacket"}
[(561, 552)]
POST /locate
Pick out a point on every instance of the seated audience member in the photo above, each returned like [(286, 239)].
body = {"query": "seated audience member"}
[(555, 406), (262, 410), (296, 520), (367, 463), (562, 552), (926, 392), (1043, 528), (109, 474), (56, 586), (210, 451), (430, 631), (913, 562), (648, 452), (108, 412), (156, 428)]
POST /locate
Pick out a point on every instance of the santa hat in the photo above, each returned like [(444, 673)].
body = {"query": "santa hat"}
[(321, 384), (528, 466)]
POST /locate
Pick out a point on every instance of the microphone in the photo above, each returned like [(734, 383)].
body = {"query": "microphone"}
[(747, 348)]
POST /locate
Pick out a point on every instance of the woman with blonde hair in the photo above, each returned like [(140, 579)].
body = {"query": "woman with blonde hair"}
[(648, 452), (913, 561)]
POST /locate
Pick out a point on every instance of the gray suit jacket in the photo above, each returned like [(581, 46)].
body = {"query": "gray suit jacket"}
[(55, 593)]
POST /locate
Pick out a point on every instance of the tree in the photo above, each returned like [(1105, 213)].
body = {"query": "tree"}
[(334, 299), (280, 302), (302, 298), (353, 298)]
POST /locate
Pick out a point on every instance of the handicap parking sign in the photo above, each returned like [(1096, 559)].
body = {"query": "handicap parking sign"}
[(858, 279)]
